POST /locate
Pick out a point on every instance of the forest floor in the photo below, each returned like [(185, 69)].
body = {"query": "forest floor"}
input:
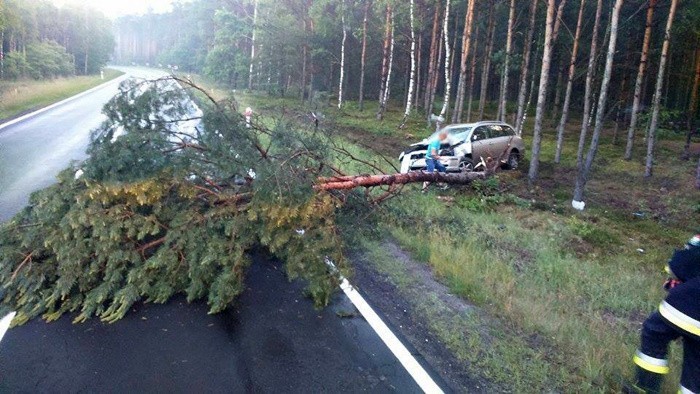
[(24, 96), (527, 294)]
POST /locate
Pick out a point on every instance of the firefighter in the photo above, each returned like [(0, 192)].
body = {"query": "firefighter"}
[(678, 316)]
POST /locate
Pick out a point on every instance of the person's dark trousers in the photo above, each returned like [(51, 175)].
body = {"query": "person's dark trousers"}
[(651, 358)]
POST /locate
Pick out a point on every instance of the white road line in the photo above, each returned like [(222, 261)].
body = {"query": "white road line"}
[(5, 324), (426, 383), (54, 105)]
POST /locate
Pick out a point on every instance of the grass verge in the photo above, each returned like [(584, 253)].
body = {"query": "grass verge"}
[(562, 294), (18, 97)]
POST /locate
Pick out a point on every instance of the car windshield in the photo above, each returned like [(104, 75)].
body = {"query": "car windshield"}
[(454, 134)]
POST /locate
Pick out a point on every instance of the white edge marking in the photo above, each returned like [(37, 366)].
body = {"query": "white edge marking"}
[(5, 324), (417, 372), (54, 105)]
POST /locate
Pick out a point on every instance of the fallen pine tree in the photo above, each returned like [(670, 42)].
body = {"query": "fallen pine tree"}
[(159, 210)]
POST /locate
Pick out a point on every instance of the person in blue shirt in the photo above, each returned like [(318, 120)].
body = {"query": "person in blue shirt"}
[(432, 156)]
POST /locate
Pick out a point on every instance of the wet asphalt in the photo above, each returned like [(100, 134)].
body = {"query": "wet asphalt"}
[(271, 340)]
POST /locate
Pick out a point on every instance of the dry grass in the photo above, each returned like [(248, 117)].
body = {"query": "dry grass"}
[(18, 97)]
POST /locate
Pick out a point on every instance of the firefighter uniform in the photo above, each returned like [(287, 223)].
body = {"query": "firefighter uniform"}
[(678, 316)]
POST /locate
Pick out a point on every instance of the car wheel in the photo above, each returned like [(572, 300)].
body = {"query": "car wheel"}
[(513, 161), (466, 165)]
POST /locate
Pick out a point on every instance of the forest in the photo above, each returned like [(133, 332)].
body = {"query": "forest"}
[(42, 41), (604, 92), (636, 63)]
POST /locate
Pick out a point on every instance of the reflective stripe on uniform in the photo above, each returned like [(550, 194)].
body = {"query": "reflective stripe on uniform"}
[(680, 319), (651, 364), (684, 390)]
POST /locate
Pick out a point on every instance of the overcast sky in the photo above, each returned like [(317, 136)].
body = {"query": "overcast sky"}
[(117, 8)]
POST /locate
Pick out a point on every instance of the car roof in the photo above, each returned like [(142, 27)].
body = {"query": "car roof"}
[(475, 124)]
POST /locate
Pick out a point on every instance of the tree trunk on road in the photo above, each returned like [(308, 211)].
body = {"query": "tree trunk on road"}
[(640, 79), (569, 86), (363, 57), (527, 47), (485, 71), (583, 172), (466, 46), (504, 85), (542, 94), (351, 182), (657, 94), (589, 87)]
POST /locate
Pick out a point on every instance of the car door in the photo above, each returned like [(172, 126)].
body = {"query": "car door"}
[(480, 143), (498, 140)]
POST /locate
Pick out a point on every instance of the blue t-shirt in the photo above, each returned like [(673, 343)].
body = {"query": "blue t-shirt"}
[(433, 145)]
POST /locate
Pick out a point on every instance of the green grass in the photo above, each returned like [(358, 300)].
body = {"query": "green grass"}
[(561, 294), (18, 97)]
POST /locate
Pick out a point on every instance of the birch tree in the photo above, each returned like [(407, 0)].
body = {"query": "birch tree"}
[(412, 77), (542, 92), (569, 85), (466, 46), (386, 67), (432, 67), (446, 33), (589, 87), (657, 94), (504, 84), (361, 99), (584, 171), (252, 45), (485, 71), (640, 79), (527, 47), (342, 56)]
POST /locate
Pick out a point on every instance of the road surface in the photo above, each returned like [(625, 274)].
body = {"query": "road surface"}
[(271, 340)]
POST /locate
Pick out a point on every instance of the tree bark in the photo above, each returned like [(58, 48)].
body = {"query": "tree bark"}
[(584, 171), (361, 99), (487, 59), (569, 86), (589, 88), (527, 47), (472, 75), (419, 57), (351, 182), (412, 78), (657, 95), (466, 46), (252, 45), (432, 68), (640, 80), (693, 103), (342, 58), (542, 93), (504, 85), (385, 63), (445, 27)]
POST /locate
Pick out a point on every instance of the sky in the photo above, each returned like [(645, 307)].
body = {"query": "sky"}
[(117, 8)]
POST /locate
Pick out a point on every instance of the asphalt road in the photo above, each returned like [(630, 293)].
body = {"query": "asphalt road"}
[(271, 340)]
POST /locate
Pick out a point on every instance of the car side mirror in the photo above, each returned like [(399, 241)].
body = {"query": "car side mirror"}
[(475, 137)]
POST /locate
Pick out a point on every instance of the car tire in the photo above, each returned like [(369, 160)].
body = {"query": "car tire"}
[(513, 161), (466, 165)]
